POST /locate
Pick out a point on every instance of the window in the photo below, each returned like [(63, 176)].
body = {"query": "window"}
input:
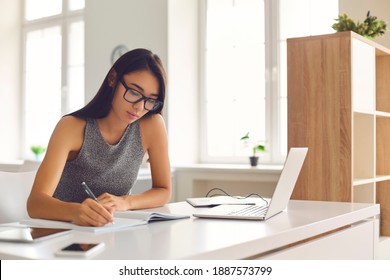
[(53, 66), (234, 80), (244, 67)]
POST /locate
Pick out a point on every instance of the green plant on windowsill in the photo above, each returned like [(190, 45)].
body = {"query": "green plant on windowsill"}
[(370, 28), (256, 149), (38, 151)]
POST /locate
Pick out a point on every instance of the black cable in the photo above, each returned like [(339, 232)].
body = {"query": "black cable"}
[(237, 197)]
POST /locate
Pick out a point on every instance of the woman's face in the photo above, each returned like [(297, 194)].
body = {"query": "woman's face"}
[(137, 85)]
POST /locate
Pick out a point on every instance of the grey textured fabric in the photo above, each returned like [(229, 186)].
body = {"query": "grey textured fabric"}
[(104, 167)]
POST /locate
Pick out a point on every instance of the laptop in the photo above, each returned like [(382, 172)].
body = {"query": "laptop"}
[(280, 198)]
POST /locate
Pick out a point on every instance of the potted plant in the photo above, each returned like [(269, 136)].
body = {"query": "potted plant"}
[(370, 28), (256, 148), (38, 151)]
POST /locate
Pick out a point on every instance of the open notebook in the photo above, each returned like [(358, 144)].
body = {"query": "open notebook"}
[(122, 220), (280, 198)]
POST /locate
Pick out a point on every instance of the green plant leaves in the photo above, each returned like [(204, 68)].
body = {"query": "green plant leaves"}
[(370, 28), (245, 137), (37, 150), (255, 147)]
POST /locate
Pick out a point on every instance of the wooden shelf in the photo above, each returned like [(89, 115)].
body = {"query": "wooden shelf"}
[(339, 107)]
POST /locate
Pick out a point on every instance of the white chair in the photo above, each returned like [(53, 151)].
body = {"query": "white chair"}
[(11, 166), (15, 188)]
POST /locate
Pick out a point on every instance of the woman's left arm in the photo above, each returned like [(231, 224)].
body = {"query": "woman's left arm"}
[(155, 142)]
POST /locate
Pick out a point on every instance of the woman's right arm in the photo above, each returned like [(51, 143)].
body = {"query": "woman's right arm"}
[(66, 139)]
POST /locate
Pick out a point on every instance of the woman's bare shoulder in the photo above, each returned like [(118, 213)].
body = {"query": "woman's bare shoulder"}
[(153, 130), (70, 129), (153, 120), (70, 125), (152, 126), (72, 121)]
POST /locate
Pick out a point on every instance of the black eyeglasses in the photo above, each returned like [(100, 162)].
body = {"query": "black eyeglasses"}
[(133, 96)]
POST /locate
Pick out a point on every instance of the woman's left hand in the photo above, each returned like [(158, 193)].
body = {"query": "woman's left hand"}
[(117, 203)]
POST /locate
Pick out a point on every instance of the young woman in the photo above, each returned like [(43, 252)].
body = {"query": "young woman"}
[(103, 145)]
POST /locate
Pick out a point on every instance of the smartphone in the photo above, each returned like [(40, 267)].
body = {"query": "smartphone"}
[(80, 249)]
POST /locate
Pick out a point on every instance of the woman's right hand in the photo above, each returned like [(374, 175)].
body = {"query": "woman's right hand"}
[(91, 213)]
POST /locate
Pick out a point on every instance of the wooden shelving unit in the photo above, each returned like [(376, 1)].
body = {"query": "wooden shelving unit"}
[(339, 107)]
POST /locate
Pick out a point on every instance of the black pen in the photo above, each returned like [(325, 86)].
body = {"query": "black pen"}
[(90, 193)]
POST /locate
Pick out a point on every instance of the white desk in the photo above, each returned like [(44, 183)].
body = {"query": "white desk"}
[(227, 239)]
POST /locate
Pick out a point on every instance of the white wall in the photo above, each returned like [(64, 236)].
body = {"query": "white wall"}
[(357, 10), (183, 80), (10, 79), (133, 23)]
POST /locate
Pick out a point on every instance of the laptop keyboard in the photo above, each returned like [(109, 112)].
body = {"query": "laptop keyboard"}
[(250, 211)]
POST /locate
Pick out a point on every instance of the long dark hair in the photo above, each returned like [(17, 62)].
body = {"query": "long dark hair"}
[(134, 60)]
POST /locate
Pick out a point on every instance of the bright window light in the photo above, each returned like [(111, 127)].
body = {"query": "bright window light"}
[(35, 9), (234, 98)]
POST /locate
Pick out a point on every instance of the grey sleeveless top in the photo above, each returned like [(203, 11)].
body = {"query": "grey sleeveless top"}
[(103, 167)]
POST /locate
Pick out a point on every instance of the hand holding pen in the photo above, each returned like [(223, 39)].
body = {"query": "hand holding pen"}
[(90, 193)]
